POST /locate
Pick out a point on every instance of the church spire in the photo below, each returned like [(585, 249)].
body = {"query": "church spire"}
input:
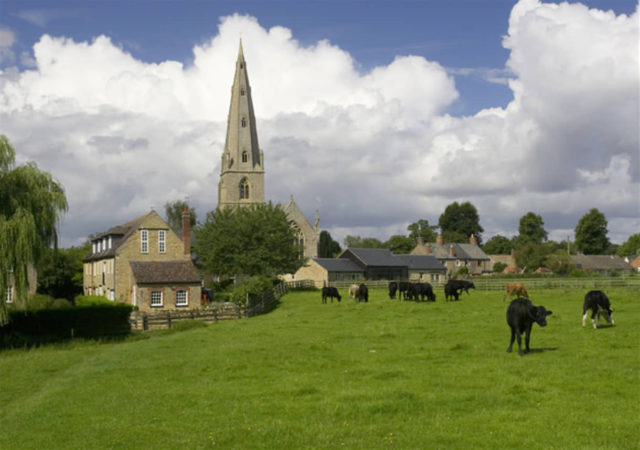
[(242, 165)]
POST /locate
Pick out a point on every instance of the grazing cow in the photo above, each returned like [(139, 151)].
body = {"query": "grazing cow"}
[(362, 295), (521, 314), (515, 289), (393, 288), (330, 292), (418, 292), (403, 287), (352, 290), (598, 303), (450, 291), (462, 285)]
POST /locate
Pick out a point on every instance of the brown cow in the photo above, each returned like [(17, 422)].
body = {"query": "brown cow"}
[(515, 289)]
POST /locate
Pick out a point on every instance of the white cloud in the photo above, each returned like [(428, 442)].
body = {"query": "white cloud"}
[(372, 152), (7, 39)]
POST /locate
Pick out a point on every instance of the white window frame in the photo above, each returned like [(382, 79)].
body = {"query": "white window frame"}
[(144, 241), (151, 298), (185, 301), (9, 295), (162, 241)]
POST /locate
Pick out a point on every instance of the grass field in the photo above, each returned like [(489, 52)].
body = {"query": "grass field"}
[(386, 374)]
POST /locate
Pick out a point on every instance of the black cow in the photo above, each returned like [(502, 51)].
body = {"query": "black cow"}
[(330, 292), (450, 291), (521, 314), (462, 285), (403, 287), (393, 288), (418, 292), (598, 303), (362, 294)]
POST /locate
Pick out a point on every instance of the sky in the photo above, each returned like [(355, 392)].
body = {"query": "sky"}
[(374, 113)]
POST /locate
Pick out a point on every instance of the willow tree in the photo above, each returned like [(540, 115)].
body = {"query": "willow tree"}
[(30, 206)]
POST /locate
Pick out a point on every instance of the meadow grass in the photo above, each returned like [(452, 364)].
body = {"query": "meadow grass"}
[(382, 374)]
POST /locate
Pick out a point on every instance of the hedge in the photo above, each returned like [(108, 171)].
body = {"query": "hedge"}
[(52, 325)]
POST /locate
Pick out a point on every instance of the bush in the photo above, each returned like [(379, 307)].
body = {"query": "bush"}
[(61, 303), (251, 290), (499, 267), (39, 301), (92, 300)]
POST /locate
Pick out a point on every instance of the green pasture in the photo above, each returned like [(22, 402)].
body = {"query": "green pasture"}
[(383, 374)]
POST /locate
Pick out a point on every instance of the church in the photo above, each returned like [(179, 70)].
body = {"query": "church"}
[(242, 171)]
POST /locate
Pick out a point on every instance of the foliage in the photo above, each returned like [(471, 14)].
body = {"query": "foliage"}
[(358, 242), (531, 256), (560, 262), (499, 267), (462, 272), (531, 229), (400, 244), (174, 210), (252, 240), (60, 272), (498, 245), (591, 233), (630, 247), (459, 221), (422, 229), (30, 206), (327, 247), (344, 375), (250, 290), (92, 300)]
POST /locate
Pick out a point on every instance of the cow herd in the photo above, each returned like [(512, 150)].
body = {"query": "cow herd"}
[(521, 313)]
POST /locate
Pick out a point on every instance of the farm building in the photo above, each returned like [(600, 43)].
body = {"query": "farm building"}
[(456, 255), (603, 264)]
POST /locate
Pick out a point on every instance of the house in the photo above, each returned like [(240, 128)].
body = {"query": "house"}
[(144, 263), (323, 271), (603, 264), (355, 265), (456, 255), (32, 284), (635, 263)]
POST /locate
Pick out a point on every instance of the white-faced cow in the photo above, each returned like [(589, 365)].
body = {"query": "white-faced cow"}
[(521, 314), (598, 303), (515, 289), (330, 292), (352, 290)]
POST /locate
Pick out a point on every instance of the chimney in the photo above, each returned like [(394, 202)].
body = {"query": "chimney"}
[(451, 253), (439, 240), (428, 248), (186, 231), (473, 240)]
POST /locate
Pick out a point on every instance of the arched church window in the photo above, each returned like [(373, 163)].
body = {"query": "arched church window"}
[(245, 156), (243, 122), (244, 189)]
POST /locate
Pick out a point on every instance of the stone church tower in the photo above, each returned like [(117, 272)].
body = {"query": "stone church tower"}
[(242, 167)]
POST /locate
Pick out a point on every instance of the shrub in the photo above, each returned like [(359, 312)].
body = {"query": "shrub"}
[(92, 300), (39, 301), (61, 303), (499, 267), (250, 290)]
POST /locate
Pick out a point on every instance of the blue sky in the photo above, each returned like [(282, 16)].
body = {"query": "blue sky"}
[(514, 106)]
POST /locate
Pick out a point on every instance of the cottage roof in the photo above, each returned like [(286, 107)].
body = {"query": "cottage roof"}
[(147, 272), (374, 257), (460, 251), (417, 262), (122, 232), (338, 265), (600, 262)]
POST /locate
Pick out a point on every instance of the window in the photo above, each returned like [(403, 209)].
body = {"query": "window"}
[(9, 298), (161, 241), (110, 242), (244, 189), (242, 91), (156, 298), (182, 297), (245, 156), (144, 241), (243, 122)]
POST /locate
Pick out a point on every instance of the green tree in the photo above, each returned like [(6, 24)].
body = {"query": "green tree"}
[(31, 203), (630, 247), (531, 229), (422, 229), (498, 245), (174, 210), (252, 240), (560, 262), (359, 242), (400, 244), (591, 233), (60, 272), (531, 256), (459, 221), (327, 247)]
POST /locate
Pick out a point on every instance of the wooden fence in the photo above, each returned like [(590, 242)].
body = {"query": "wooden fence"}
[(261, 304)]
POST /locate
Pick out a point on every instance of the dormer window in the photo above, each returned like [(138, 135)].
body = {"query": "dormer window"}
[(94, 247), (99, 246)]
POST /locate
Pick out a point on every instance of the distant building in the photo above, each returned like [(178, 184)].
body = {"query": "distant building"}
[(144, 263), (602, 264), (456, 255)]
